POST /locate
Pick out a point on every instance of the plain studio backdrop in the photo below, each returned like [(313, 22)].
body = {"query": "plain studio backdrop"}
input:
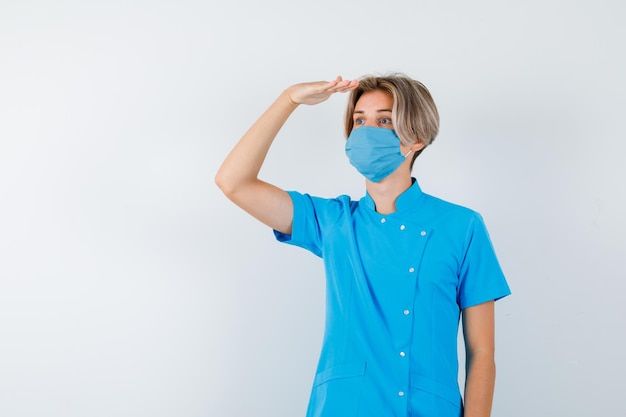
[(130, 286)]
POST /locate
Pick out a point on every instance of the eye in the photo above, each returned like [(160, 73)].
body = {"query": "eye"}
[(358, 121), (385, 121)]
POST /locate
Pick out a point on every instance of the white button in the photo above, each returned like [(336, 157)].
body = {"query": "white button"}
[(402, 354), (411, 269), (383, 220), (423, 233), (402, 227), (406, 312), (401, 394)]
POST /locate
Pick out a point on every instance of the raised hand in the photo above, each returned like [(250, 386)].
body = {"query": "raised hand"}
[(238, 175), (319, 91)]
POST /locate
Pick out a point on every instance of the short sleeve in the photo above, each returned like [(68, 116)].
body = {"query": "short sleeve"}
[(481, 278), (312, 217)]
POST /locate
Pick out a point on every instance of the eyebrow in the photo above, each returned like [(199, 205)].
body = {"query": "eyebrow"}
[(377, 111)]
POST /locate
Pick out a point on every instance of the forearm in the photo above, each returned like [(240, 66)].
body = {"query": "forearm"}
[(479, 384), (244, 162)]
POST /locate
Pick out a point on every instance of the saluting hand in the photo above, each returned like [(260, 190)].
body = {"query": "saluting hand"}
[(319, 91)]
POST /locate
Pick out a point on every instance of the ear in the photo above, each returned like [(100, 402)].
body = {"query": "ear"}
[(417, 146)]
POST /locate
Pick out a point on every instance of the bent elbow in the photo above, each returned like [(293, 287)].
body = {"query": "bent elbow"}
[(231, 185), (223, 183)]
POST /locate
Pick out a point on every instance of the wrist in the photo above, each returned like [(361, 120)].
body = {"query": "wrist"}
[(288, 97)]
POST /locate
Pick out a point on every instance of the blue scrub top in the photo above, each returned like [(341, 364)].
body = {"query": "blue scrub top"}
[(395, 288)]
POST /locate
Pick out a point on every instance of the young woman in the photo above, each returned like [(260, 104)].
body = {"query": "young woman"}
[(402, 267)]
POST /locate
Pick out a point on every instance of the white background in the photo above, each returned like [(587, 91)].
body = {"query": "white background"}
[(129, 286)]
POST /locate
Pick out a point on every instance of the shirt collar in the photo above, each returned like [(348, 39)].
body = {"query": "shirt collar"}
[(408, 199)]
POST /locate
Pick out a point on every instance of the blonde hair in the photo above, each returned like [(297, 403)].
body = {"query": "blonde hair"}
[(414, 114)]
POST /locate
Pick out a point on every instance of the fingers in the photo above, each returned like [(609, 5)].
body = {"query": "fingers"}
[(339, 85), (347, 85), (336, 81), (316, 92)]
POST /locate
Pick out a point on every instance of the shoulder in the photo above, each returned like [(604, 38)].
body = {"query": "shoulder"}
[(323, 206), (444, 210), (341, 200)]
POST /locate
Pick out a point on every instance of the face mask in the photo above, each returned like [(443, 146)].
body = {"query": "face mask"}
[(374, 152)]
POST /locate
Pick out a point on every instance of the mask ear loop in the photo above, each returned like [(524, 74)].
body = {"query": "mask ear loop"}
[(408, 153)]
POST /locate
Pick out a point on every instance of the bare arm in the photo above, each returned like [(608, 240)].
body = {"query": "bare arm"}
[(478, 329), (238, 175)]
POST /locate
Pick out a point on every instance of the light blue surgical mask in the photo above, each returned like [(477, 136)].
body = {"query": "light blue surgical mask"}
[(374, 152)]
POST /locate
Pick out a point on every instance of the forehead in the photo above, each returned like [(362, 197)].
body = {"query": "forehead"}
[(374, 101)]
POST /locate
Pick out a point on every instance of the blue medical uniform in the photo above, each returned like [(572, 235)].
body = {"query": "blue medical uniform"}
[(395, 288)]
